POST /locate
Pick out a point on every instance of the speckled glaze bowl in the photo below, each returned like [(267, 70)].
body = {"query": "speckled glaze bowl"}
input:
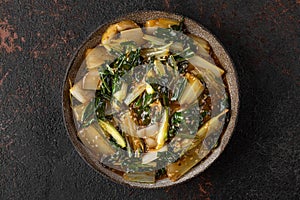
[(141, 17)]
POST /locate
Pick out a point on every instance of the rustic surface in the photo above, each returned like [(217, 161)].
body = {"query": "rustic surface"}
[(37, 40)]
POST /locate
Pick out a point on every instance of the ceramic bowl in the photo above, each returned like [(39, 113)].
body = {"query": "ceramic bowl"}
[(140, 17)]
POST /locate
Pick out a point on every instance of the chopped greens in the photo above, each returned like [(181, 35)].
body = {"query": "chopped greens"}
[(180, 26)]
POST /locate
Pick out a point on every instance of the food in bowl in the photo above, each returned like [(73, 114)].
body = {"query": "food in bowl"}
[(150, 101)]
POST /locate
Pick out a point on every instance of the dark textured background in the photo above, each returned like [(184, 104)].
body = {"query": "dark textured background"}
[(37, 40)]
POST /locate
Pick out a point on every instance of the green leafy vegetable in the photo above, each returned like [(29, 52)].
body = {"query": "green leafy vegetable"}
[(160, 173), (180, 26), (113, 132)]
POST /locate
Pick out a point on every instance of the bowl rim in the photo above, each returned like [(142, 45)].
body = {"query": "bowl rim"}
[(233, 88)]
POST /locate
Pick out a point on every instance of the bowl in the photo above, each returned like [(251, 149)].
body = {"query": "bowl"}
[(140, 17)]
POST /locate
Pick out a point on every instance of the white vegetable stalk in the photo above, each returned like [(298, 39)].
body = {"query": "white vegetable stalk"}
[(154, 40), (211, 125), (79, 110), (137, 91), (135, 34), (96, 57), (192, 90), (152, 155), (95, 141), (203, 45), (80, 94), (121, 94), (128, 125), (159, 67), (148, 131), (91, 81), (163, 129), (149, 89), (201, 63)]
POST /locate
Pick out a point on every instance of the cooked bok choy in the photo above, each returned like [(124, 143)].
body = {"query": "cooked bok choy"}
[(150, 102)]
